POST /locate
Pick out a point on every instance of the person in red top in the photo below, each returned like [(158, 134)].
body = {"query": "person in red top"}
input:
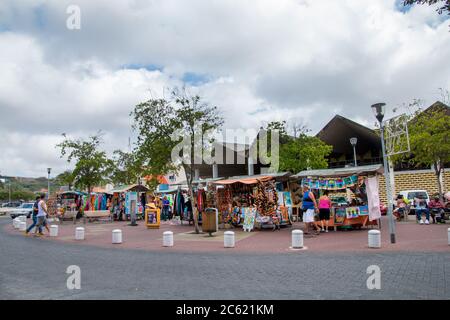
[(324, 210), (436, 207)]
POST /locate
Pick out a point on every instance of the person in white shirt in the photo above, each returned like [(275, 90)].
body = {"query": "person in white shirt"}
[(41, 216)]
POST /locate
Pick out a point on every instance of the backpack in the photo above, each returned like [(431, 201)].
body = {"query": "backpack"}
[(36, 207)]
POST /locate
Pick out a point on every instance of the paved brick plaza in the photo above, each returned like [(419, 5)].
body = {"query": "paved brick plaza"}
[(411, 237)]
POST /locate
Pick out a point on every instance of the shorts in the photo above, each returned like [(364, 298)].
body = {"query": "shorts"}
[(324, 214), (41, 221), (308, 216)]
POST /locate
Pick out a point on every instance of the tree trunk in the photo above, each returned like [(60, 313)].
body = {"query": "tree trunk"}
[(439, 170), (194, 210), (189, 171)]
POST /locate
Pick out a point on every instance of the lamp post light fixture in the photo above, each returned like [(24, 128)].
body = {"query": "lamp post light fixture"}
[(379, 111), (353, 142), (49, 170)]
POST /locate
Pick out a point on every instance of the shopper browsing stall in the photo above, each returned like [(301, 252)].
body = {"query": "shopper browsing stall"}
[(309, 207), (324, 210)]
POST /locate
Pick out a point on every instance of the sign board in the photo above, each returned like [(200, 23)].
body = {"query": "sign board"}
[(131, 203), (152, 216)]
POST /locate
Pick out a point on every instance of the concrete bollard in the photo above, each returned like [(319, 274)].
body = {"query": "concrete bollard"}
[(228, 239), (117, 236), (79, 233), (16, 223), (22, 226), (297, 239), (374, 239), (53, 230), (23, 218), (448, 232), (168, 239)]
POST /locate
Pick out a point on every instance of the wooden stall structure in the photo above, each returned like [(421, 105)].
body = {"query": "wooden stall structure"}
[(350, 183)]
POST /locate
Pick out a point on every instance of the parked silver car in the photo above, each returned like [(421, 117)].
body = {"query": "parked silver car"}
[(25, 209)]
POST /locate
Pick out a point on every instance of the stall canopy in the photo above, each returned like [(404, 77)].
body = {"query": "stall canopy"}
[(247, 180), (78, 193), (129, 188), (362, 170)]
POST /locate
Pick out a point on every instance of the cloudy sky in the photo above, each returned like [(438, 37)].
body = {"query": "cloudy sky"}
[(257, 60)]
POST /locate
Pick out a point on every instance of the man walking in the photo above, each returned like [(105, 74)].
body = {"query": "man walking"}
[(34, 216), (42, 212)]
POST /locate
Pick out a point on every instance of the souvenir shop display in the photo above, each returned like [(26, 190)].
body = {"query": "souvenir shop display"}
[(350, 183), (249, 219), (339, 216), (251, 202)]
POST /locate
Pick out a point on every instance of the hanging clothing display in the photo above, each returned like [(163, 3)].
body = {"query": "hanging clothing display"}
[(373, 198)]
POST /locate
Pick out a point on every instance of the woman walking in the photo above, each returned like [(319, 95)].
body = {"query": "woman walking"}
[(309, 207), (324, 210)]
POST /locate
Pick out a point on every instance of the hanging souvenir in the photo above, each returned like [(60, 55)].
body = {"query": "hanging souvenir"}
[(322, 183), (331, 184), (339, 183), (348, 181)]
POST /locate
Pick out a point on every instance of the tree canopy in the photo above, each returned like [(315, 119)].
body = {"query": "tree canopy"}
[(301, 152), (162, 125), (444, 7), (92, 166)]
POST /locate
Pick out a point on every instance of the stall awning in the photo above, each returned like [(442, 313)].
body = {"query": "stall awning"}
[(129, 188), (248, 180), (341, 172)]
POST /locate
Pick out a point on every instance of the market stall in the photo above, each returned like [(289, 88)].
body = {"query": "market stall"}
[(358, 185), (251, 201), (128, 201)]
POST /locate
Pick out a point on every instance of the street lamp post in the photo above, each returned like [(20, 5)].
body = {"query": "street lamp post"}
[(353, 142), (48, 182), (9, 183), (379, 109)]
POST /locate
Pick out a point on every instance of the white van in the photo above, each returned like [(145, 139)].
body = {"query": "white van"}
[(411, 194)]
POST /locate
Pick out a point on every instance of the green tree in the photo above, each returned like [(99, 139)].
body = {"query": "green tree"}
[(65, 179), (430, 141), (91, 164), (163, 125), (444, 7), (126, 169), (301, 151)]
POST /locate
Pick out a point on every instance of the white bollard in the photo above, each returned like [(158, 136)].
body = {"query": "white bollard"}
[(16, 223), (22, 226), (79, 233), (53, 230), (117, 236), (228, 239), (168, 239), (448, 231), (374, 239), (23, 218), (297, 239)]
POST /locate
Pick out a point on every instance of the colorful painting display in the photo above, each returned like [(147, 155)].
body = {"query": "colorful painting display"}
[(249, 219), (364, 210), (352, 212), (339, 216), (331, 183)]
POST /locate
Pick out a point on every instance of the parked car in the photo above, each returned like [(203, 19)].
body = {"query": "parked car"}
[(25, 209), (411, 194)]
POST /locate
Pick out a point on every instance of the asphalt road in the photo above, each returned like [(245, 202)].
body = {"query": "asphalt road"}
[(36, 269)]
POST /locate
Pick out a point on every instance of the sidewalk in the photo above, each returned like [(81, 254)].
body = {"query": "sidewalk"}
[(411, 237)]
